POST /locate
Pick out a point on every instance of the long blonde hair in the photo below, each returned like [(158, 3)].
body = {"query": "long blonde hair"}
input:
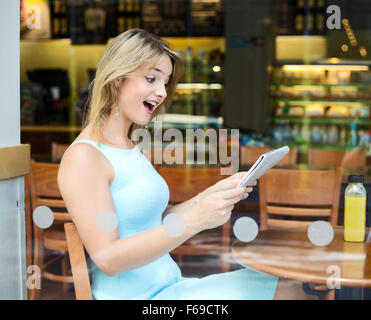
[(129, 51)]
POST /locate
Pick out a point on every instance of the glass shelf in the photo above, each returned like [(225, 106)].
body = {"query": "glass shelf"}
[(199, 86), (327, 101), (304, 145), (327, 85), (322, 120)]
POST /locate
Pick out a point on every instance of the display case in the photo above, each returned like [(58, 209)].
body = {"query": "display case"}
[(323, 105)]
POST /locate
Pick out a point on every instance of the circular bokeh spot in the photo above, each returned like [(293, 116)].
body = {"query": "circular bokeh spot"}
[(245, 229), (174, 224), (106, 221), (320, 233), (43, 217)]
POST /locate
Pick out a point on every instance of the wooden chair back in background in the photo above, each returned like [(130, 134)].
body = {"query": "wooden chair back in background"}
[(337, 158), (57, 151), (79, 266), (295, 198), (291, 198), (185, 183), (248, 155), (44, 191)]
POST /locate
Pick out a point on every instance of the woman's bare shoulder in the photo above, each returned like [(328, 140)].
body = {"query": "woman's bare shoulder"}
[(85, 158)]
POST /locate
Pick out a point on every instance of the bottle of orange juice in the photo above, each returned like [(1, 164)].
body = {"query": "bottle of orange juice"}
[(355, 209)]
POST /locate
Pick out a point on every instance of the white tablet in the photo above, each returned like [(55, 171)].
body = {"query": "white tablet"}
[(265, 162)]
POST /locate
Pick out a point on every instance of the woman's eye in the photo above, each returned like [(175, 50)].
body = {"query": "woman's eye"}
[(150, 80)]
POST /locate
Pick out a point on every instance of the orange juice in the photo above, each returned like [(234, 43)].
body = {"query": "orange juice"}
[(355, 218), (355, 209)]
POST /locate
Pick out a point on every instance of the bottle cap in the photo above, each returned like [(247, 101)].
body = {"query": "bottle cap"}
[(356, 178)]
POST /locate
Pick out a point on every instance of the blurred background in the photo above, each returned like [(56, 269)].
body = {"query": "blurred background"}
[(271, 68)]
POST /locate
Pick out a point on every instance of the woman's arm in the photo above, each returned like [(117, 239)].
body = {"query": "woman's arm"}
[(84, 180)]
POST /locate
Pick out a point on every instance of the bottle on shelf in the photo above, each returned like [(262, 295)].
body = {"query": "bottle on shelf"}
[(316, 135), (353, 136), (309, 17), (333, 137), (343, 135), (299, 17), (320, 17), (56, 26), (305, 132), (295, 132), (121, 6)]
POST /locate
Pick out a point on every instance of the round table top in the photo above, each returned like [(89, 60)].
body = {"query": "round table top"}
[(290, 254)]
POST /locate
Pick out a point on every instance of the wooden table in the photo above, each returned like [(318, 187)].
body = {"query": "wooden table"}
[(290, 254)]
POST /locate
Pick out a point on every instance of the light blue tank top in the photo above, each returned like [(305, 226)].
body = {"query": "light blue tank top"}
[(140, 196)]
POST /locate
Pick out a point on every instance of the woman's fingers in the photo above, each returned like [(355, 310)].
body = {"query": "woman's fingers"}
[(235, 192), (233, 196), (230, 193), (253, 184), (229, 183)]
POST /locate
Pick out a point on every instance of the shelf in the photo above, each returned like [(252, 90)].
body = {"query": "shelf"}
[(327, 101), (199, 86), (307, 145), (326, 85), (323, 120)]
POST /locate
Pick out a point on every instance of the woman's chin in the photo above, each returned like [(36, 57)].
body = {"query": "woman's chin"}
[(141, 123)]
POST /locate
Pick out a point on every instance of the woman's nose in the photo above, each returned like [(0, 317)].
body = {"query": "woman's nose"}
[(161, 92)]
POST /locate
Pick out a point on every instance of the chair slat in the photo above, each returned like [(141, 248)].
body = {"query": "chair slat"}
[(304, 212), (79, 267), (287, 223)]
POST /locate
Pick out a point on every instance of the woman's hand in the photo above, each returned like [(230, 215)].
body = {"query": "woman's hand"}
[(230, 182), (215, 204)]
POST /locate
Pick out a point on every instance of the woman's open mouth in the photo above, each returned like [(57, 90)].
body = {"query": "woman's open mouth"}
[(149, 106)]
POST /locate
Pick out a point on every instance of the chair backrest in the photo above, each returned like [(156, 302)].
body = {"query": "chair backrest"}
[(185, 183), (79, 266), (337, 158), (295, 198), (44, 188), (248, 155), (57, 150)]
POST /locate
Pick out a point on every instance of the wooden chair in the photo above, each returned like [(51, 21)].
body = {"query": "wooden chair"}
[(79, 267), (291, 197), (248, 155), (57, 151), (296, 198), (44, 191), (185, 183), (337, 158)]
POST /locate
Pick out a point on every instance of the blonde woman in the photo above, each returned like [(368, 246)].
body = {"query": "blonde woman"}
[(104, 172)]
